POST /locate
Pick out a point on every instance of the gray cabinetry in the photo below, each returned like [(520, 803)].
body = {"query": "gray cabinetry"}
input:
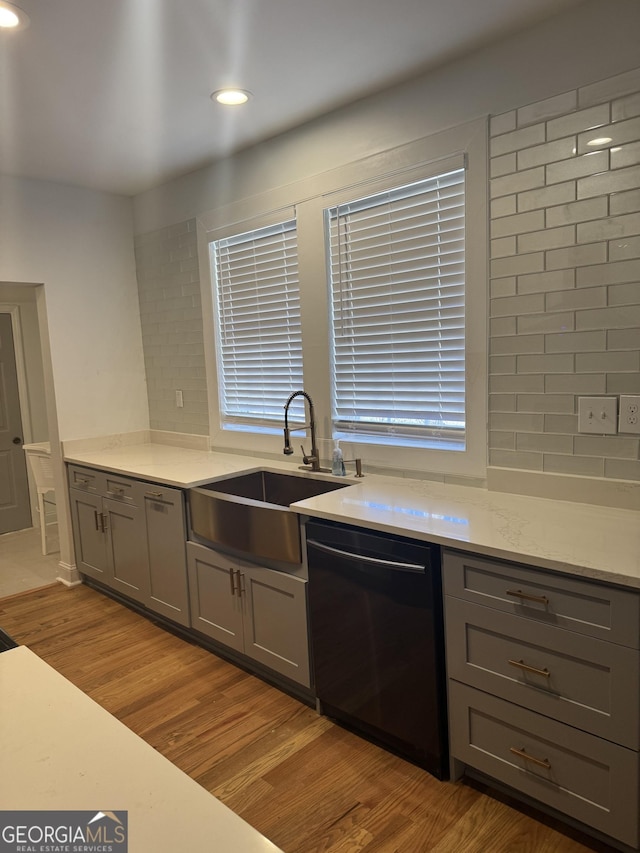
[(544, 687), (130, 536), (254, 610)]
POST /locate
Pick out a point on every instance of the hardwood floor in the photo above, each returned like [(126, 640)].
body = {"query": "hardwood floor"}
[(306, 783)]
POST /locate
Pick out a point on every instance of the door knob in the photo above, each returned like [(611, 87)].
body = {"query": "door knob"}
[(17, 440)]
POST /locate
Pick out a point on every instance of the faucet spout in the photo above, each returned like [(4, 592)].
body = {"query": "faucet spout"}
[(314, 458)]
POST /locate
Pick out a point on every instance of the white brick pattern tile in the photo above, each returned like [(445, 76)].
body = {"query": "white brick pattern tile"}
[(171, 315), (565, 267)]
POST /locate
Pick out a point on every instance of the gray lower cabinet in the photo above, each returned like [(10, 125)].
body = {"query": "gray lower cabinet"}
[(130, 535), (544, 687), (254, 610)]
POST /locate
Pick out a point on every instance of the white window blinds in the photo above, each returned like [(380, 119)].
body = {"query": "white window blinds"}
[(258, 324), (398, 308)]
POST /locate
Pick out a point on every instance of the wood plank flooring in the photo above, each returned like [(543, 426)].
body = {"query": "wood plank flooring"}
[(304, 782)]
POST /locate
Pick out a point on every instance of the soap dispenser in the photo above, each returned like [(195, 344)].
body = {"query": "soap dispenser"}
[(337, 461)]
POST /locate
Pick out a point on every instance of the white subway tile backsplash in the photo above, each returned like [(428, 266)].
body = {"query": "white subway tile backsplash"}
[(576, 256), (578, 121), (548, 322), (517, 139), (614, 181), (518, 265), (607, 362), (500, 440), (623, 339), (581, 465), (549, 152), (577, 167), (502, 364), (517, 344), (578, 211), (626, 202), (546, 196), (499, 326), (625, 294), (549, 108), (545, 281), (544, 442), (575, 342), (547, 403), (572, 300), (518, 224), (626, 107), (576, 383), (503, 165), (502, 247), (609, 318), (623, 383), (609, 229), (628, 247), (516, 305), (612, 87), (503, 206), (503, 287), (529, 383), (561, 423), (502, 123), (625, 155), (619, 469), (615, 134), (549, 238), (516, 421), (615, 272), (518, 182), (546, 364), (516, 459), (502, 402)]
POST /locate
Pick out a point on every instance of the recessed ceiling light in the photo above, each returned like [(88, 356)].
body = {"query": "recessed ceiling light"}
[(601, 140), (12, 18), (231, 97)]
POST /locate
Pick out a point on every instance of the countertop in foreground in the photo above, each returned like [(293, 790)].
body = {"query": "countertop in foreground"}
[(597, 542)]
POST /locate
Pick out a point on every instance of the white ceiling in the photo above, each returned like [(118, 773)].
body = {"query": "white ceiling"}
[(114, 94)]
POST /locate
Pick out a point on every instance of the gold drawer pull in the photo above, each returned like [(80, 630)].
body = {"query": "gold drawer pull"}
[(541, 762), (526, 596), (525, 666)]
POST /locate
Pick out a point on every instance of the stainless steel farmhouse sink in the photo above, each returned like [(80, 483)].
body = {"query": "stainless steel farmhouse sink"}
[(250, 512)]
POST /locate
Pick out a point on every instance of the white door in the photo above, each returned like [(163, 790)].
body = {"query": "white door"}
[(15, 511)]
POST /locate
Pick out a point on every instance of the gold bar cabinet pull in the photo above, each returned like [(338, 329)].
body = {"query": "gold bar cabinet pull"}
[(526, 596), (521, 753), (532, 669)]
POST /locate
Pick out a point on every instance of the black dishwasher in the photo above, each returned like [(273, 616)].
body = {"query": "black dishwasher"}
[(375, 603)]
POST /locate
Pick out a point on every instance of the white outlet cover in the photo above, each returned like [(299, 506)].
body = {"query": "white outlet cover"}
[(629, 418), (598, 415)]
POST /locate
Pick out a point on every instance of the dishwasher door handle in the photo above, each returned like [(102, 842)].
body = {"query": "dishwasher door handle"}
[(372, 561)]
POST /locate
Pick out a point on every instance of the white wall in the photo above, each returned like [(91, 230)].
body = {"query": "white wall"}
[(589, 42), (79, 244)]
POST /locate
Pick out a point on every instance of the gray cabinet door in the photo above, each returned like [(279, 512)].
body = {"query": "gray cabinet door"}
[(166, 538), (216, 606), (275, 621), (88, 536), (126, 548)]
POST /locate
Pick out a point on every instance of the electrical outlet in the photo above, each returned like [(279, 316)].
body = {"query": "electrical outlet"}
[(629, 417), (179, 399), (597, 415)]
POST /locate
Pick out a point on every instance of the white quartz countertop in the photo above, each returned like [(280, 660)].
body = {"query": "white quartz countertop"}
[(62, 751), (592, 541)]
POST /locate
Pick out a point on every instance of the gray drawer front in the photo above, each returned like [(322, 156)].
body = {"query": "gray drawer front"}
[(87, 479), (579, 605), (123, 489), (590, 684), (590, 779)]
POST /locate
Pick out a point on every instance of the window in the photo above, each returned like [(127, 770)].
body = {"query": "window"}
[(397, 299), (258, 332)]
